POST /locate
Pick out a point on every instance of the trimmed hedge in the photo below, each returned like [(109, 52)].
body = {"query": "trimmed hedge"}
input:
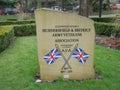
[(8, 32), (25, 30), (104, 28), (16, 22), (6, 35), (30, 29), (104, 19), (12, 19)]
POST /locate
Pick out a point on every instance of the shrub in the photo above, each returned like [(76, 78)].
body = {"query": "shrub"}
[(104, 19), (95, 7), (7, 32), (6, 35), (17, 22), (30, 29), (104, 28), (12, 19), (25, 30)]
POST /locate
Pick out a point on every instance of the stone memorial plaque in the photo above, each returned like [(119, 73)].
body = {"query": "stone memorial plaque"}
[(65, 45)]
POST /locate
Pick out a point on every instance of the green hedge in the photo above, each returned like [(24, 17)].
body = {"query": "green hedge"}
[(104, 19), (7, 32), (25, 30), (16, 22), (6, 35), (30, 29), (104, 28), (11, 19)]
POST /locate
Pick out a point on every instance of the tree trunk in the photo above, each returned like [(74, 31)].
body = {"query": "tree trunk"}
[(87, 8), (100, 8), (35, 1), (63, 5), (26, 5), (82, 7)]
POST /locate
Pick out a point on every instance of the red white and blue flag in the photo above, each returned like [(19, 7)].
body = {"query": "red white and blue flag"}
[(80, 55), (52, 56)]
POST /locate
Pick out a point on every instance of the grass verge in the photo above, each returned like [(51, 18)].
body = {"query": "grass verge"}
[(6, 17), (18, 65)]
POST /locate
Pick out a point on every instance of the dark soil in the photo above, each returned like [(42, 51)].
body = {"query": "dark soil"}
[(113, 43)]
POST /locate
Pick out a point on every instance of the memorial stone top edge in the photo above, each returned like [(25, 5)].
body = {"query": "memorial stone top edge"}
[(56, 11)]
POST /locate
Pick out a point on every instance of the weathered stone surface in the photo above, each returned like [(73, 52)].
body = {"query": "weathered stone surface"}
[(65, 35)]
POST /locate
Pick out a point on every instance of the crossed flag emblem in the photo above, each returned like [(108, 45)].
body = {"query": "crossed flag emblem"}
[(77, 53)]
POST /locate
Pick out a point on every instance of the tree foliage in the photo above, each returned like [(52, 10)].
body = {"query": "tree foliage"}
[(7, 3)]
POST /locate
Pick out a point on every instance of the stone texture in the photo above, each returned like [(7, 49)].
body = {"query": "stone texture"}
[(64, 32)]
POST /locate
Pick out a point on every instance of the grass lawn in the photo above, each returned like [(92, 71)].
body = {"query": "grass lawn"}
[(5, 17), (106, 12), (18, 65)]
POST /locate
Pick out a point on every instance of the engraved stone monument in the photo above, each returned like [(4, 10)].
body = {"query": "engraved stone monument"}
[(65, 45)]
